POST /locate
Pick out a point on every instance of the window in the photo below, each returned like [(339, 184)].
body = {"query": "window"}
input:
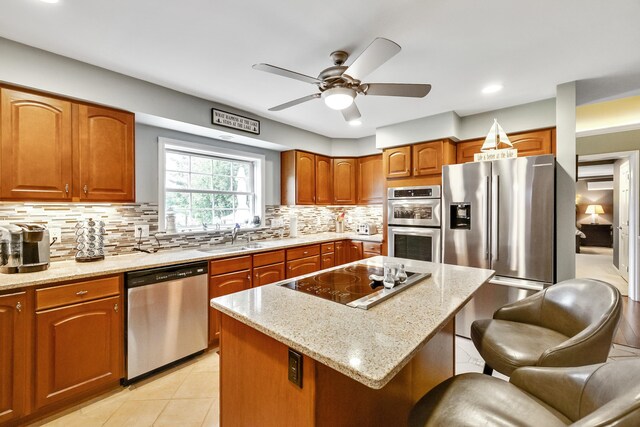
[(208, 187)]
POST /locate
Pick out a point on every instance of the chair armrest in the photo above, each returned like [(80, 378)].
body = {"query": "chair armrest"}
[(560, 388), (527, 310)]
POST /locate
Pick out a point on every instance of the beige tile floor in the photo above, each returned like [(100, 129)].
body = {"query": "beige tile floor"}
[(187, 395)]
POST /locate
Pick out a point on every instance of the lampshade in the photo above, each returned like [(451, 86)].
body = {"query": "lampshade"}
[(338, 98), (594, 209)]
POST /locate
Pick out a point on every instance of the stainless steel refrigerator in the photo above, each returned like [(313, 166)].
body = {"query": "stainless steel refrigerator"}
[(500, 215)]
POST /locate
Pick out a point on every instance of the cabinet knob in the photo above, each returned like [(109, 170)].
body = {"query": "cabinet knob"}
[(85, 189), (80, 293), (66, 188), (305, 252), (19, 307), (115, 307), (248, 277)]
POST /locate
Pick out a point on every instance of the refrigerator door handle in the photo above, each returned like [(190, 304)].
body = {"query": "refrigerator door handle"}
[(495, 217), (487, 212)]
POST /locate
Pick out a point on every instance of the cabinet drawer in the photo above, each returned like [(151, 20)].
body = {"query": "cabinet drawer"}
[(229, 265), (327, 247), (268, 258), (372, 247), (56, 296), (303, 252)]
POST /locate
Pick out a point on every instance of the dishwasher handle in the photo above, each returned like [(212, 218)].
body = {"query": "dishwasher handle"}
[(164, 274)]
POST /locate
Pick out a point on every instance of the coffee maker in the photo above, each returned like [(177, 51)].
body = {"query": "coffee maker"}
[(24, 248)]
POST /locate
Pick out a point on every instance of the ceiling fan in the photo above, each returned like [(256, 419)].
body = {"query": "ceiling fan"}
[(340, 84)]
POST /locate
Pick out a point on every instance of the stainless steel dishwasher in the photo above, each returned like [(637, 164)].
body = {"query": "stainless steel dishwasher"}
[(167, 319)]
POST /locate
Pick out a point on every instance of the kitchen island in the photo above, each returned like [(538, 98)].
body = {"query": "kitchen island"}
[(359, 367)]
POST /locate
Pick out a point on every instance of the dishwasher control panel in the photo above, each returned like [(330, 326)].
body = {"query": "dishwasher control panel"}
[(164, 274)]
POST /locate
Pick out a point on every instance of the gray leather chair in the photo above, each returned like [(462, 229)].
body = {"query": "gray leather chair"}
[(571, 323), (586, 396)]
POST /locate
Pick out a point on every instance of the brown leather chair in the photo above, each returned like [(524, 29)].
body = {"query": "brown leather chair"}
[(587, 396), (571, 323)]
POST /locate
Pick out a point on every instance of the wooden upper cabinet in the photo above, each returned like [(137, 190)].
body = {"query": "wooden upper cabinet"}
[(370, 180), (36, 147), (106, 154), (13, 356), (324, 180), (344, 181), (532, 143), (397, 162), (297, 178), (80, 348), (528, 144), (427, 158)]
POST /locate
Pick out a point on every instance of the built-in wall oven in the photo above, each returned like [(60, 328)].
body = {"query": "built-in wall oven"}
[(413, 215)]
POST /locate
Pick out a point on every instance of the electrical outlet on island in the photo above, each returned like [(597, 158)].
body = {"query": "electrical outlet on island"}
[(55, 235), (141, 230)]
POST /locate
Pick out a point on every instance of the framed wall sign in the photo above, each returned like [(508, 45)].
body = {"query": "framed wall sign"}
[(235, 121)]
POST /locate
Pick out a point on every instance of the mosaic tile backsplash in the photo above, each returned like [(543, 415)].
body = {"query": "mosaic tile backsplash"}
[(120, 221)]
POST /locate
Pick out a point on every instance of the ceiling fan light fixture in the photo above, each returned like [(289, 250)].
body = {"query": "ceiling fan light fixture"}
[(338, 98)]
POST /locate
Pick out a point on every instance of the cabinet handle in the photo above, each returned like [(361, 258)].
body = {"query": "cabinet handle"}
[(66, 188), (85, 189), (248, 277), (19, 307), (305, 252), (115, 307), (80, 293)]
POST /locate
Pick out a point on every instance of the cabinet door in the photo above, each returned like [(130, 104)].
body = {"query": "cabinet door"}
[(13, 356), (370, 180), (371, 249), (302, 266), (36, 147), (79, 348), (224, 284), (327, 261), (427, 158), (340, 256), (305, 178), (466, 150), (532, 143), (355, 251), (344, 181), (106, 153), (324, 180), (268, 274), (397, 162)]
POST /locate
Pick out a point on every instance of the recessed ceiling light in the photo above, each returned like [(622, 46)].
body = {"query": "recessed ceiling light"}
[(49, 1), (492, 89), (356, 122)]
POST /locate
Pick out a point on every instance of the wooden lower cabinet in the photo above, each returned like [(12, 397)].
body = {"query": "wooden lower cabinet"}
[(268, 274), (371, 249), (340, 254), (13, 356), (354, 251), (79, 348), (301, 266), (224, 284), (327, 260)]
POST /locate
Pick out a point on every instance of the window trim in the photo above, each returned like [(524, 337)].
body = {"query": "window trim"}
[(259, 161)]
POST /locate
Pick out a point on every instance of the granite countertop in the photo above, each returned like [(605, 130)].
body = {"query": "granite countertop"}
[(370, 346), (72, 270)]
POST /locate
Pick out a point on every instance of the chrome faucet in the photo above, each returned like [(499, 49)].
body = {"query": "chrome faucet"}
[(234, 233)]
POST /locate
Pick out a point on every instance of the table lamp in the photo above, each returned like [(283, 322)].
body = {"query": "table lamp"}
[(594, 210)]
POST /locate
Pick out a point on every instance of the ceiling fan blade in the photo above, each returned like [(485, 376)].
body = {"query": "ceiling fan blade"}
[(285, 73), (377, 53), (351, 113), (295, 102), (397, 89)]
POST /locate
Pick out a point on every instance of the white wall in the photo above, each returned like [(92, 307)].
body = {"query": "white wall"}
[(27, 66), (443, 125), (354, 147), (147, 162)]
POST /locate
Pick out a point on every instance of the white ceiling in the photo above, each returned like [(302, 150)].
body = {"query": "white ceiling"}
[(206, 48)]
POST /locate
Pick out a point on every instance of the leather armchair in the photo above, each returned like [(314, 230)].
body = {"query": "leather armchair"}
[(586, 396), (571, 323)]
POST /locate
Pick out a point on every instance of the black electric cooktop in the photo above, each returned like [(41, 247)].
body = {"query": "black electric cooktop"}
[(351, 285)]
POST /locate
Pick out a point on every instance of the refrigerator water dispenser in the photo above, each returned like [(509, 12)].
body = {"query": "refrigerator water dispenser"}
[(460, 215)]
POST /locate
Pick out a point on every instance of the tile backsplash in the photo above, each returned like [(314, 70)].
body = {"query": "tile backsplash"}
[(120, 221)]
